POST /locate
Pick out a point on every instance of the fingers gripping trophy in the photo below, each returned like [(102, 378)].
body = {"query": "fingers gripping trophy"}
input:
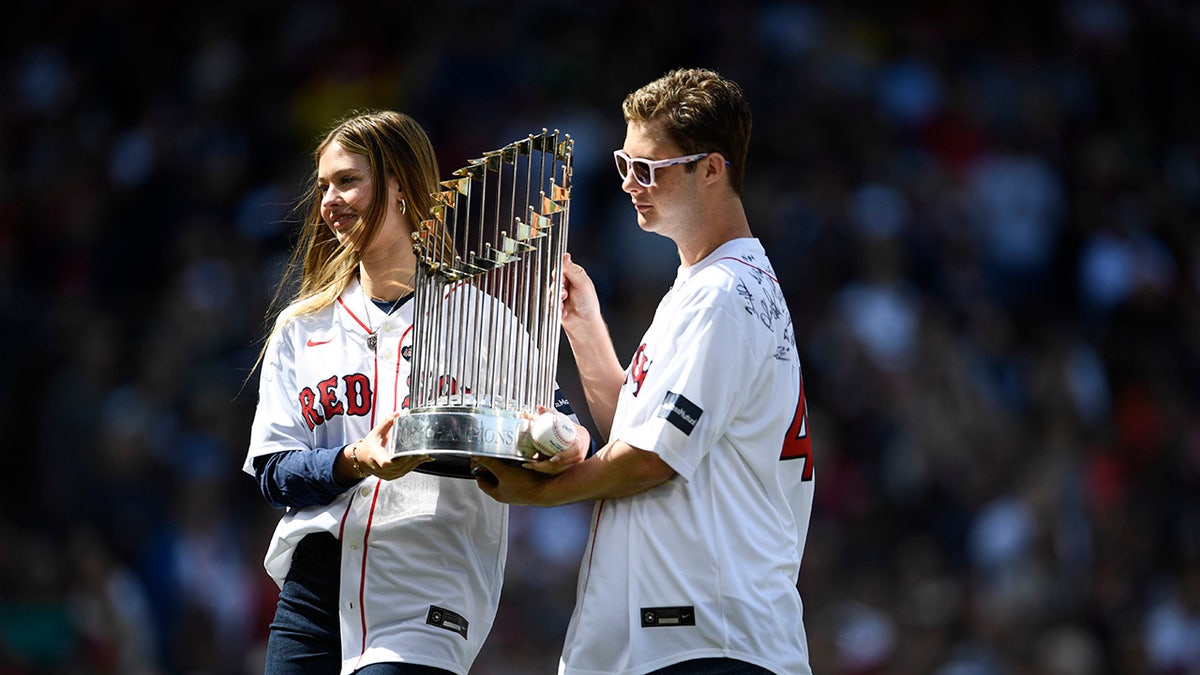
[(487, 306)]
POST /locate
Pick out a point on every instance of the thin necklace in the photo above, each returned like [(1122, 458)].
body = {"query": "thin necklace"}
[(372, 333)]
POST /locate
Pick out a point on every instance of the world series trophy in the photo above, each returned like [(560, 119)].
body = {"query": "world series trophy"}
[(486, 306)]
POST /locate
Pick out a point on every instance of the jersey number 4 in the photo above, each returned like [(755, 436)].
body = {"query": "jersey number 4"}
[(796, 444)]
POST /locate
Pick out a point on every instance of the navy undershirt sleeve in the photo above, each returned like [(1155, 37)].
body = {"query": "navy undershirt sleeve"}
[(299, 478), (563, 405)]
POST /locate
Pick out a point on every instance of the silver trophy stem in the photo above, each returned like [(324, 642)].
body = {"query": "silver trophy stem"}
[(487, 307)]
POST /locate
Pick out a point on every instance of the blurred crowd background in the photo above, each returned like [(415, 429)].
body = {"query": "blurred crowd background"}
[(986, 217)]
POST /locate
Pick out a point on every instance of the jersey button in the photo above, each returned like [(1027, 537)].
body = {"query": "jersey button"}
[(366, 492), (354, 546)]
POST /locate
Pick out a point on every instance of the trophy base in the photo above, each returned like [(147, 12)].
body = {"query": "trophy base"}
[(452, 435)]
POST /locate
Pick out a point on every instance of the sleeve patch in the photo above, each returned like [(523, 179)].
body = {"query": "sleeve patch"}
[(681, 412)]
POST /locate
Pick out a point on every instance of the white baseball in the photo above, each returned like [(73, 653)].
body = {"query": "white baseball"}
[(552, 432)]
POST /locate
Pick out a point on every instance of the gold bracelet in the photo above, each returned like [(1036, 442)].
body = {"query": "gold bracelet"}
[(354, 459)]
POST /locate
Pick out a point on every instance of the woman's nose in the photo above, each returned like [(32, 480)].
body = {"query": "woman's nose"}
[(330, 195)]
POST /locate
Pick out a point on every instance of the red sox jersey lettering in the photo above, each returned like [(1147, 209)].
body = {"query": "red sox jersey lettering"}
[(725, 406), (358, 394), (358, 399), (321, 388), (638, 369), (447, 386)]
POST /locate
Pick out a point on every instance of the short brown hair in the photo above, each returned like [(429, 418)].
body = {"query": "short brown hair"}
[(703, 111)]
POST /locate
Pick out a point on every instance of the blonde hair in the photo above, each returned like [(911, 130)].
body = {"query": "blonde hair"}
[(396, 147)]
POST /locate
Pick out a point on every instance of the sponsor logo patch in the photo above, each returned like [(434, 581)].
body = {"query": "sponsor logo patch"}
[(679, 411)]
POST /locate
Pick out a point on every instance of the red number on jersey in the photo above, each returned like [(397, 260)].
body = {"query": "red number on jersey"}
[(796, 444)]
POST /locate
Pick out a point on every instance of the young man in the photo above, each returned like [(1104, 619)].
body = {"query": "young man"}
[(705, 485)]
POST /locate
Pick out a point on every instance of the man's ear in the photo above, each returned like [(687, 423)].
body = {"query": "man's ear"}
[(714, 167)]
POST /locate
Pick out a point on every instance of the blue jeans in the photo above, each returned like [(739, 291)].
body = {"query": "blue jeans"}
[(304, 637), (715, 666)]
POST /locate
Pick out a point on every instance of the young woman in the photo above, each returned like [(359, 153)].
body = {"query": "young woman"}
[(382, 570)]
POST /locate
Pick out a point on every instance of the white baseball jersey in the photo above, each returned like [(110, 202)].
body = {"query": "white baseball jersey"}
[(422, 556), (706, 564)]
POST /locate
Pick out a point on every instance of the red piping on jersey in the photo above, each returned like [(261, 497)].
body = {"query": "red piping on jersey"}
[(375, 380), (362, 584), (354, 316), (368, 331), (345, 517), (592, 551), (749, 265), (399, 356), (396, 402)]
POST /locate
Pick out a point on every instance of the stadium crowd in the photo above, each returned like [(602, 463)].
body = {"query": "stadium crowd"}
[(986, 217)]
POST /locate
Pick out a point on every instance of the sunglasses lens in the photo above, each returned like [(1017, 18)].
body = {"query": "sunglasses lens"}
[(622, 165), (641, 171)]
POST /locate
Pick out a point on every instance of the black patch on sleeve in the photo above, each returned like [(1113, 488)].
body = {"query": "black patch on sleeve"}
[(655, 617), (561, 403), (444, 618), (681, 412)]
